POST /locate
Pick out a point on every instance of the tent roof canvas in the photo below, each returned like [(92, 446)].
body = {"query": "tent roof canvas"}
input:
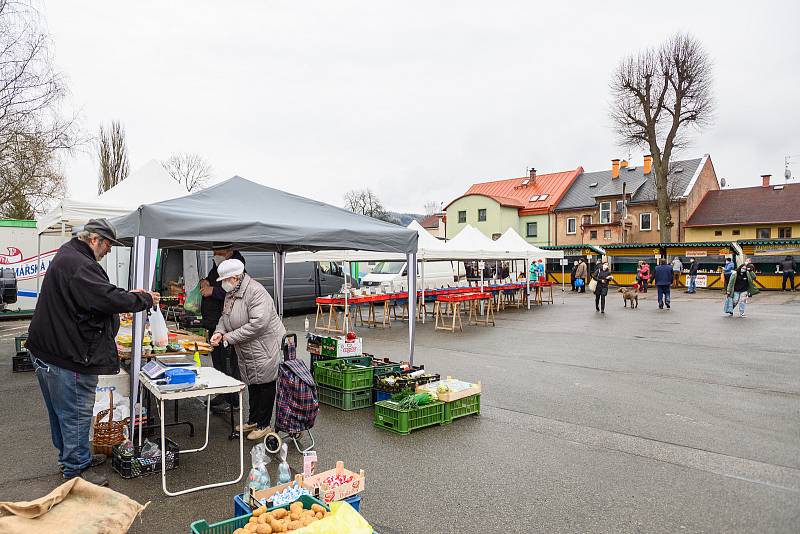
[(512, 241), (256, 217), (149, 183)]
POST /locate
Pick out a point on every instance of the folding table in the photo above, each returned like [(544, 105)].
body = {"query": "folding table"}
[(209, 382)]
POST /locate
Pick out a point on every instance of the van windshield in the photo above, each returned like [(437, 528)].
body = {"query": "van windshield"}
[(389, 267)]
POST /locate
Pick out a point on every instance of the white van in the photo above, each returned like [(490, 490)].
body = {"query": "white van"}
[(393, 275)]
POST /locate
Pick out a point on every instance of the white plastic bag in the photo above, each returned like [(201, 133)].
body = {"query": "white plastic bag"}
[(158, 329)]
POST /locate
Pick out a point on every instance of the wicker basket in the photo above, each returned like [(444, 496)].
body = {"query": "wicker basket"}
[(110, 433)]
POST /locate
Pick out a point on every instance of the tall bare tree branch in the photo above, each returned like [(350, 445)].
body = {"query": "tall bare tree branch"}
[(659, 96), (190, 170), (34, 135), (112, 153), (365, 202)]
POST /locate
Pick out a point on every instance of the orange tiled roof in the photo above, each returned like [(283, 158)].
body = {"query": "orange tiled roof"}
[(513, 193)]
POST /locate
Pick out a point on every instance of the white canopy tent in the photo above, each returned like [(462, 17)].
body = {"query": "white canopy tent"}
[(147, 184)]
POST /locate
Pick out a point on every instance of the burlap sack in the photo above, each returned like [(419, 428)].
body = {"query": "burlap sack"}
[(75, 506)]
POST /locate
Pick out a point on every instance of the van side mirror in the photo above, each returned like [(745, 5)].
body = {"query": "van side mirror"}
[(405, 272)]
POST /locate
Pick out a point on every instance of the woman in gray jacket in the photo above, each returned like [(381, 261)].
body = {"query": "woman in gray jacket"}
[(251, 324)]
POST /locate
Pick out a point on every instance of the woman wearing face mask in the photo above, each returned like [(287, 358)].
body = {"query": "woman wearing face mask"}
[(224, 360), (602, 276), (251, 324)]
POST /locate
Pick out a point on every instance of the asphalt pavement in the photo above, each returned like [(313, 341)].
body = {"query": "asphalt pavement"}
[(644, 420)]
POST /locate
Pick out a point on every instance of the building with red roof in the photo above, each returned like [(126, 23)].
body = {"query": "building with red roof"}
[(525, 204)]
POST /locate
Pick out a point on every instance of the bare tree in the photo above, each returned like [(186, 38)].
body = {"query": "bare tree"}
[(432, 207), (34, 134), (659, 96), (190, 170), (365, 202), (112, 152), (33, 176)]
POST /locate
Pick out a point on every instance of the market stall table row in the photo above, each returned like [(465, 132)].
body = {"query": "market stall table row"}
[(454, 301)]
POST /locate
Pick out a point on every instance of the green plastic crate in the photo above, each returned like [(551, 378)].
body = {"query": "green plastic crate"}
[(345, 400), (357, 377), (459, 408), (385, 368), (389, 416), (355, 360), (229, 525)]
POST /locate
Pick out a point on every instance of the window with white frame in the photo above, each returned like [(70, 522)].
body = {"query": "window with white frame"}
[(645, 222), (619, 206), (572, 223), (605, 212)]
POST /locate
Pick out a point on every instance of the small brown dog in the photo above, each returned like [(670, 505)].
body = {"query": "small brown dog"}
[(630, 294)]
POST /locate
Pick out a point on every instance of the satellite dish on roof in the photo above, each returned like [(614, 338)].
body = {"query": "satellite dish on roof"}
[(722, 182), (787, 173)]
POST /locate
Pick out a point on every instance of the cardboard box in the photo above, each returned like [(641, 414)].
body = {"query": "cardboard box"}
[(269, 492), (339, 493), (450, 396), (346, 349)]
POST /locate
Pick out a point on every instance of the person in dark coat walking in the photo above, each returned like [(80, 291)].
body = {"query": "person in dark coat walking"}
[(71, 339), (572, 275), (693, 264), (602, 276), (788, 266), (663, 280), (223, 359)]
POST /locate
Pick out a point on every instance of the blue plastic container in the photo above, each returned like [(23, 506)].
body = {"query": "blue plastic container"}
[(180, 376), (382, 395)]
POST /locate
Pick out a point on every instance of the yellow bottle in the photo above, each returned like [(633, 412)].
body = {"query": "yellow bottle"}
[(197, 356)]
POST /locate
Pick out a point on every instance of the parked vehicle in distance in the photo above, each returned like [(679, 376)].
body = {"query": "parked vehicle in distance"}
[(394, 275), (303, 282)]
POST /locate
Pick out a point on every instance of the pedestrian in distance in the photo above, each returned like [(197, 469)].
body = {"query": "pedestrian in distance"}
[(645, 276), (663, 279), (677, 269), (71, 339), (741, 287), (788, 266), (726, 272), (572, 275), (581, 273), (693, 264), (602, 276)]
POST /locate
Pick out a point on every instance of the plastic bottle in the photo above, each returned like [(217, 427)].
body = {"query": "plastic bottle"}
[(307, 325), (284, 473)]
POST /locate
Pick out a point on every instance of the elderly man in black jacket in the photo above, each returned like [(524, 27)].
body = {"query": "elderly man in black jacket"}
[(71, 340)]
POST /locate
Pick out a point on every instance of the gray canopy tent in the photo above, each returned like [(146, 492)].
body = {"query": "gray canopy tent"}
[(253, 217)]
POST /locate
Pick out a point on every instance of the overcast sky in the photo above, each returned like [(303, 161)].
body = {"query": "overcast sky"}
[(415, 99)]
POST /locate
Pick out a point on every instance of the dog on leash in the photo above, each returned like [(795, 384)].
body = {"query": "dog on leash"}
[(630, 294)]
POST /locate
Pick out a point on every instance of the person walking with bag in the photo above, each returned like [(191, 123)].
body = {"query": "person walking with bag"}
[(602, 277), (71, 341), (580, 276), (663, 279), (741, 287), (644, 276), (250, 323)]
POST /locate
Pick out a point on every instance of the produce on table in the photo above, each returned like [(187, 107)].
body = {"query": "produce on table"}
[(282, 520), (334, 481), (290, 494)]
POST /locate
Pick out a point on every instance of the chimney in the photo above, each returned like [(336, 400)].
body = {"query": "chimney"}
[(614, 168), (533, 174), (765, 180), (623, 163), (648, 164)]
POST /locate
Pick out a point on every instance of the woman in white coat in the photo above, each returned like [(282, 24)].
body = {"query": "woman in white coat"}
[(251, 324)]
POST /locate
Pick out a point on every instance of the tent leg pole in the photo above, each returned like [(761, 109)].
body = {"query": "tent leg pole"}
[(412, 303)]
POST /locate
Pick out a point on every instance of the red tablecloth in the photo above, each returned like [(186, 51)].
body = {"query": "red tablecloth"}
[(463, 297)]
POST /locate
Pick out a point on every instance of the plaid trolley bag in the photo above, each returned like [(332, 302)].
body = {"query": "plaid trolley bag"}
[(296, 402)]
